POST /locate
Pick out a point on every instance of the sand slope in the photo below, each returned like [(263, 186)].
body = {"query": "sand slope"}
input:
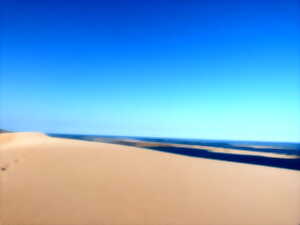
[(52, 181)]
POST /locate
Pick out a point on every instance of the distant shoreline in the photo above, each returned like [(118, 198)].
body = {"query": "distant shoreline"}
[(279, 156)]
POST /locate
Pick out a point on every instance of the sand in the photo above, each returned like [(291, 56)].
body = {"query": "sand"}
[(53, 181), (149, 144)]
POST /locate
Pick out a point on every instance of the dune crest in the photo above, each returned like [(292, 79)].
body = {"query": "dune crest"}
[(20, 138)]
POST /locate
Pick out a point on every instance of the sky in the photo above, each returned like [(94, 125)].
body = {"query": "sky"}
[(206, 69)]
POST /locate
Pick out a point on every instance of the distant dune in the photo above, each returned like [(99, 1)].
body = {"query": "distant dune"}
[(54, 181), (147, 144)]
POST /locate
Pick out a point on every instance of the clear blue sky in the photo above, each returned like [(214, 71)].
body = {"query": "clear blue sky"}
[(173, 68)]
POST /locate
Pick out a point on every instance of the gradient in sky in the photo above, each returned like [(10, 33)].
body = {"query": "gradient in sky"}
[(165, 68)]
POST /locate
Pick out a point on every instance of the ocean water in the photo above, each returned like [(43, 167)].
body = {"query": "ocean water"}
[(279, 148)]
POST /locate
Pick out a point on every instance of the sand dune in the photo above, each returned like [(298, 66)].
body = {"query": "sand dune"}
[(144, 144), (53, 181)]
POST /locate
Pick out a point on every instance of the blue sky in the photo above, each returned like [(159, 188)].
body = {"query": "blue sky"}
[(191, 69)]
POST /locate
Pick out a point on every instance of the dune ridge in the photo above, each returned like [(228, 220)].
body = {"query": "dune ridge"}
[(21, 139), (54, 181)]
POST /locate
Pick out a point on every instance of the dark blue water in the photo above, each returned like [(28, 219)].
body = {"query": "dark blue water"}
[(283, 148)]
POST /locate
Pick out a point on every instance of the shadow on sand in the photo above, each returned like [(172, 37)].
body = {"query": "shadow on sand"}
[(295, 150), (250, 159)]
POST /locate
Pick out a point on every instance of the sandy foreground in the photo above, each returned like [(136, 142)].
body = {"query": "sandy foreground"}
[(53, 181)]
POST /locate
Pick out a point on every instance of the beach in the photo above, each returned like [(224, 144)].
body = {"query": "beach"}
[(56, 181)]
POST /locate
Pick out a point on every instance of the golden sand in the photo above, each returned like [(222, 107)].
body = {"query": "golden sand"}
[(53, 181)]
